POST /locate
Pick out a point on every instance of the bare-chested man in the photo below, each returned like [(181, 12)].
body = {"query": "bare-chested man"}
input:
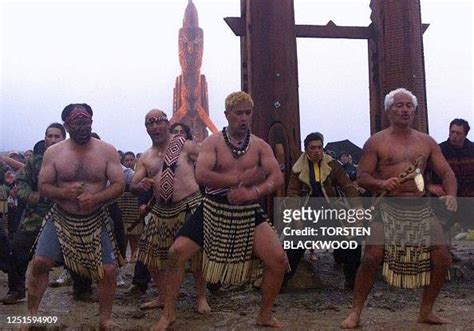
[(74, 175), (237, 169), (167, 167), (386, 155)]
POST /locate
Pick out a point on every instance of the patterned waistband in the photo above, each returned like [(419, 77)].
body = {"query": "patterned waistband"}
[(65, 216), (172, 209), (217, 191)]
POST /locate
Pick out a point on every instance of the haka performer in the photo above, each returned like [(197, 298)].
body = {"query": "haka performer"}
[(237, 169), (409, 261), (77, 230), (167, 167)]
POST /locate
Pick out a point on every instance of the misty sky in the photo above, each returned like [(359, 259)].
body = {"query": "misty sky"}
[(121, 57)]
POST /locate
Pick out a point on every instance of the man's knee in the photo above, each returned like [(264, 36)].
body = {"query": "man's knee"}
[(109, 273), (372, 260), (282, 261), (278, 262), (177, 252), (441, 258), (40, 266), (110, 270)]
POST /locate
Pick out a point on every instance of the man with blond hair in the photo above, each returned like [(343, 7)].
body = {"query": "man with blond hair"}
[(237, 169)]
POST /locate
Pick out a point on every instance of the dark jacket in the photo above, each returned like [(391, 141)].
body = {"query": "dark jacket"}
[(332, 177), (461, 160), (27, 182)]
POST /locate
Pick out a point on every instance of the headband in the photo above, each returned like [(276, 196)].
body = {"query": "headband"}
[(79, 113), (161, 118)]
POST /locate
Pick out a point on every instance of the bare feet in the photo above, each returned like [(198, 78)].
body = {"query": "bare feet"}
[(164, 323), (351, 321), (433, 319), (156, 303), (107, 325), (202, 306), (271, 323)]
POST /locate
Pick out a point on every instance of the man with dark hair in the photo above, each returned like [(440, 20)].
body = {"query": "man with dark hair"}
[(14, 207), (39, 148), (181, 129), (459, 152), (58, 126), (77, 230), (128, 205), (317, 175), (37, 206), (5, 248), (28, 154), (128, 160), (71, 107), (346, 162)]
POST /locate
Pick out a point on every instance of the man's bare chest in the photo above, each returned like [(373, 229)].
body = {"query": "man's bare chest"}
[(393, 154), (225, 161), (86, 169), (155, 166)]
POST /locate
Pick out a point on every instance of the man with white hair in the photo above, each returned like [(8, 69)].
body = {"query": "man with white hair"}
[(390, 161)]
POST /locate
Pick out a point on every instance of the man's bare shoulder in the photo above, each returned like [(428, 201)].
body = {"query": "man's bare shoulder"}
[(101, 143), (376, 139), (380, 135), (104, 146), (424, 136), (57, 148), (147, 154), (213, 139), (259, 142), (190, 144)]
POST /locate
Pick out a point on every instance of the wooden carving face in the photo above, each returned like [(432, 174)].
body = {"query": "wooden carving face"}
[(190, 48)]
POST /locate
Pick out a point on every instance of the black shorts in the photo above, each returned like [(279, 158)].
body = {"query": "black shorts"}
[(193, 228)]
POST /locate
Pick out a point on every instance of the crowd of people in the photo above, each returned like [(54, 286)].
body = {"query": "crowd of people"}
[(77, 202)]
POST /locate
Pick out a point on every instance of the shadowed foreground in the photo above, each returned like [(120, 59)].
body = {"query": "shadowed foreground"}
[(235, 308)]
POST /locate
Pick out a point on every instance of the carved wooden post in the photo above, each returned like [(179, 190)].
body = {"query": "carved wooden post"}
[(396, 57)]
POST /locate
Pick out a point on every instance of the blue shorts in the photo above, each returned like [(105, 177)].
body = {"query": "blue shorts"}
[(49, 246)]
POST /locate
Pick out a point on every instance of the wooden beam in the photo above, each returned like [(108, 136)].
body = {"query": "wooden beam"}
[(330, 30), (424, 26), (236, 24)]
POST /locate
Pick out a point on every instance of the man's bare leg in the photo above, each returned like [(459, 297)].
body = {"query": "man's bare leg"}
[(372, 259), (182, 250), (267, 248), (133, 248), (106, 292), (202, 304), (440, 262), (160, 282), (38, 282)]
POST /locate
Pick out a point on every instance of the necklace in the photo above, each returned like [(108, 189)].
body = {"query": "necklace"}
[(234, 141), (237, 151)]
